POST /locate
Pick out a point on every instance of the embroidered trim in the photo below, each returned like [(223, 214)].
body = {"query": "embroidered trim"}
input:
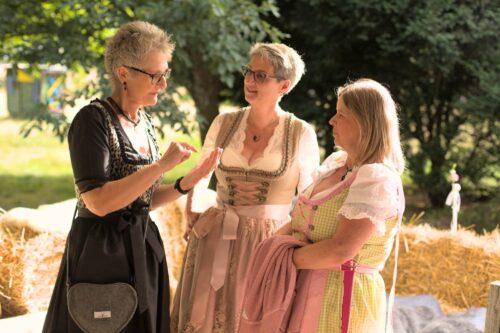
[(121, 139), (258, 172)]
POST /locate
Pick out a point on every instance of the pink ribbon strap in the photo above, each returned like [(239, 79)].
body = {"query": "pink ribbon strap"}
[(230, 223), (348, 269)]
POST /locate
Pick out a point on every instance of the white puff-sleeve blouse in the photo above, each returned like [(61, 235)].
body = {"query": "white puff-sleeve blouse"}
[(373, 195)]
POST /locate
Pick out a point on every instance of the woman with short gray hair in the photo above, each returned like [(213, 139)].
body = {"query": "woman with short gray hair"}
[(286, 62), (268, 155), (118, 170)]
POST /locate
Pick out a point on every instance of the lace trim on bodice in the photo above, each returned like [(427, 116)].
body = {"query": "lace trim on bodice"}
[(286, 147), (273, 146)]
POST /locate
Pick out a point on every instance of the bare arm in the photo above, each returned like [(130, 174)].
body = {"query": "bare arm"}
[(117, 194), (343, 246)]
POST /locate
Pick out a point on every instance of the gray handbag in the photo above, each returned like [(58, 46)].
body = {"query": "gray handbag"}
[(100, 308)]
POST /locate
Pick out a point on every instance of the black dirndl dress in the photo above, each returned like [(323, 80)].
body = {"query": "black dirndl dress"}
[(123, 246)]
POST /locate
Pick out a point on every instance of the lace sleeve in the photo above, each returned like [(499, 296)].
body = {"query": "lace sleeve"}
[(372, 195)]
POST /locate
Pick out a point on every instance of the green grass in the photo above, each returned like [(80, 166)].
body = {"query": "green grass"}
[(36, 170)]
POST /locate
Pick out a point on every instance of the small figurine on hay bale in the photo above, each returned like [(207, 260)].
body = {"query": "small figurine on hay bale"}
[(453, 198)]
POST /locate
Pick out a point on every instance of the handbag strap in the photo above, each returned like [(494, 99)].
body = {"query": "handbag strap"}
[(68, 281)]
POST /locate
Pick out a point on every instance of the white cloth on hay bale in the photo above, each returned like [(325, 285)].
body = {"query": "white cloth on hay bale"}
[(423, 314)]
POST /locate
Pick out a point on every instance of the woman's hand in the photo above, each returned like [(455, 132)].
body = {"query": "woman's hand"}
[(191, 179), (202, 170), (176, 153)]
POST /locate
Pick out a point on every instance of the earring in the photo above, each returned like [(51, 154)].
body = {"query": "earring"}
[(124, 85)]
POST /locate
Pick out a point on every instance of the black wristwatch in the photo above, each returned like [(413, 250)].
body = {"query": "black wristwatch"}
[(177, 186)]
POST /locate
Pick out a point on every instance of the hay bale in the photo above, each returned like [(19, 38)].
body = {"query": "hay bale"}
[(171, 223), (31, 246), (46, 218), (42, 259), (24, 279), (456, 269)]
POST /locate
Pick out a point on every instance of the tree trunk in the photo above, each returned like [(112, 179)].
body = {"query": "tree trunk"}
[(204, 88)]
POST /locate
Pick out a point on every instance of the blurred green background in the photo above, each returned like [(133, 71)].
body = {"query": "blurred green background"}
[(440, 60)]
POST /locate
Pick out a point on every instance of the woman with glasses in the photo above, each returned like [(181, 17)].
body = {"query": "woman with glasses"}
[(118, 168), (268, 156)]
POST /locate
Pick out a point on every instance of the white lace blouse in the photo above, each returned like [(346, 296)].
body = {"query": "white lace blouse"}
[(373, 193), (270, 160)]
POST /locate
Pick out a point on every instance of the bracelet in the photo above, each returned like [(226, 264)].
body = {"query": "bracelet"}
[(178, 187)]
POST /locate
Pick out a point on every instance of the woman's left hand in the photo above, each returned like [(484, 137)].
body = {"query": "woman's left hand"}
[(202, 170)]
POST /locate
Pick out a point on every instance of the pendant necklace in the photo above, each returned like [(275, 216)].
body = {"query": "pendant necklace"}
[(257, 137), (127, 117)]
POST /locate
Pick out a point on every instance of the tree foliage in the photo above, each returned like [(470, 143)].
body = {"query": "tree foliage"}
[(439, 58), (212, 38)]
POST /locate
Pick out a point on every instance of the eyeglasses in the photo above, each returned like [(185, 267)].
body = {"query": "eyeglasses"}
[(155, 78), (258, 76)]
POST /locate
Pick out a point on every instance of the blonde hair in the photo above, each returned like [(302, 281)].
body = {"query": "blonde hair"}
[(376, 113), (131, 43), (286, 62)]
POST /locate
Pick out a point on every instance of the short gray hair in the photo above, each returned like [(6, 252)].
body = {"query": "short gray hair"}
[(131, 43), (286, 62)]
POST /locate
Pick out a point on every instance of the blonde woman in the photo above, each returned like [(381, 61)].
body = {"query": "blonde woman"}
[(118, 169), (350, 215), (268, 156)]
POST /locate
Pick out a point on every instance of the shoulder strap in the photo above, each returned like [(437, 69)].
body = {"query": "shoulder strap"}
[(296, 130), (230, 123), (392, 293), (68, 282)]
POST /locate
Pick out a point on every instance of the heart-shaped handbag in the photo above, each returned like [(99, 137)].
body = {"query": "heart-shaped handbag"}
[(102, 308)]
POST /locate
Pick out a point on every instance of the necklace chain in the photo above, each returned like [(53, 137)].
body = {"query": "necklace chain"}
[(123, 113), (257, 137)]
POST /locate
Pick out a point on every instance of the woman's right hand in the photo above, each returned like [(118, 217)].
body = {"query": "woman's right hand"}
[(191, 179), (176, 153), (202, 170)]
